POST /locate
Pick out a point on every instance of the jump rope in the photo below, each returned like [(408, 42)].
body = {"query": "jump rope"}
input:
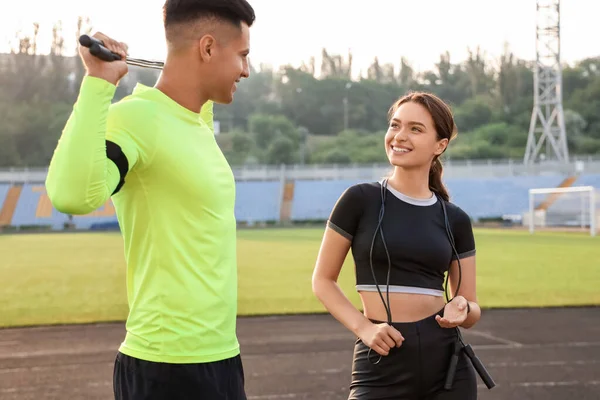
[(459, 345), (98, 49)]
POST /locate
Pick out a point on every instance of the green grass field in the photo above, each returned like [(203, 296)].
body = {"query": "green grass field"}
[(69, 278)]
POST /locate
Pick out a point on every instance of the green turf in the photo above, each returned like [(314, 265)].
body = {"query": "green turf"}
[(66, 278)]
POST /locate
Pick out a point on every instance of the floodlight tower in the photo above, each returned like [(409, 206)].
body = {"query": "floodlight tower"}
[(547, 120)]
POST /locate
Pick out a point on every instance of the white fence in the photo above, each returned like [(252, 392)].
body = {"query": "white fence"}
[(452, 169)]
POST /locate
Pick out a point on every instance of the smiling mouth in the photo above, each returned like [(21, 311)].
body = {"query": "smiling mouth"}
[(400, 150)]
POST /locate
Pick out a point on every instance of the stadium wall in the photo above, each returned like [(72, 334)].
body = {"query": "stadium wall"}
[(452, 169), (292, 195)]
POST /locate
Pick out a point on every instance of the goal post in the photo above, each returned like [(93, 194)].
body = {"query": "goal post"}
[(576, 207)]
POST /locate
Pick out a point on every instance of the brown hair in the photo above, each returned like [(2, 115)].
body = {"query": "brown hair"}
[(444, 126)]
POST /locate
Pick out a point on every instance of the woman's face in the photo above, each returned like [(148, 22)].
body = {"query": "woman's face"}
[(411, 140)]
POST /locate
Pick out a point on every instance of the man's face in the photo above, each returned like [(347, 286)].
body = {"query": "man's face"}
[(229, 64)]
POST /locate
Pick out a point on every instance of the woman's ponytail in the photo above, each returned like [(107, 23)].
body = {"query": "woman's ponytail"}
[(435, 179)]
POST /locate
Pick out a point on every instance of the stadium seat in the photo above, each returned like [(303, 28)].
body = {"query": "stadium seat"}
[(589, 180), (313, 200), (34, 209), (494, 197), (260, 201), (3, 191), (4, 217), (257, 201), (480, 198)]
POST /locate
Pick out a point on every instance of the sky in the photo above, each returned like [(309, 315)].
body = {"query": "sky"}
[(289, 31)]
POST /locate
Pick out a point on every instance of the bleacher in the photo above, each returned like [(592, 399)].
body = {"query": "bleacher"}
[(3, 191), (257, 201), (261, 201), (495, 197), (571, 209), (480, 198), (589, 180), (33, 208), (314, 199)]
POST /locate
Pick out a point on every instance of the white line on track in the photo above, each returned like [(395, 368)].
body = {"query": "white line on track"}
[(113, 350), (489, 336)]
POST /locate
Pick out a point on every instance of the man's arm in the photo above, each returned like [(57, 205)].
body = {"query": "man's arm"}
[(81, 176), (86, 168)]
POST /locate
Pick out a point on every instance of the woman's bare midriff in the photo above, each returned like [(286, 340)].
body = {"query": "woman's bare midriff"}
[(404, 307)]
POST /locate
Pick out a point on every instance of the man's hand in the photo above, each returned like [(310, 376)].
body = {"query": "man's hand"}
[(455, 313), (109, 71)]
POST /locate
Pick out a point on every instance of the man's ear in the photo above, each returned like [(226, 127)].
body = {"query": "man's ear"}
[(206, 47)]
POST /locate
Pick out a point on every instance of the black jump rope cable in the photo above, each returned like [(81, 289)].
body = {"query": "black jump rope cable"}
[(459, 344), (97, 49)]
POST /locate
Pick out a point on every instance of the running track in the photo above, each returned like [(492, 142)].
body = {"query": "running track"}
[(545, 354)]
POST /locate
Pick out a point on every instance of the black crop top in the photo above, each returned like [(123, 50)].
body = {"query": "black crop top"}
[(414, 231)]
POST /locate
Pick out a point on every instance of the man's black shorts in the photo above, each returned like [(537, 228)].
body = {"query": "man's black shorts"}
[(136, 379)]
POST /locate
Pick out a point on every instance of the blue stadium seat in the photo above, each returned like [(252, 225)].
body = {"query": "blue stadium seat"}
[(494, 197), (589, 180), (35, 209), (313, 200), (103, 215), (479, 197), (570, 209), (257, 201), (3, 192)]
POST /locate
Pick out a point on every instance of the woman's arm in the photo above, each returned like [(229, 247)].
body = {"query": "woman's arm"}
[(341, 227), (333, 252), (463, 310), (467, 290)]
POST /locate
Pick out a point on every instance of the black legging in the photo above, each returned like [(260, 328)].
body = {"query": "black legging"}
[(414, 371)]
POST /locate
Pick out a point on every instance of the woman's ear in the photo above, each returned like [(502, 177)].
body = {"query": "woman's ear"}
[(441, 146)]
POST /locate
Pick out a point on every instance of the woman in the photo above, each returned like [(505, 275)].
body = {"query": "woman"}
[(398, 234)]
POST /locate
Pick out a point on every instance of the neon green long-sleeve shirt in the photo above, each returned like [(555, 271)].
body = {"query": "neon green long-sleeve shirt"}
[(175, 210)]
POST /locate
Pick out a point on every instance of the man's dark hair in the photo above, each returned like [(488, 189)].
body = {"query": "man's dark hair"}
[(182, 11)]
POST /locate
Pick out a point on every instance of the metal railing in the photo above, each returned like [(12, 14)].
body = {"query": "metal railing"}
[(452, 169)]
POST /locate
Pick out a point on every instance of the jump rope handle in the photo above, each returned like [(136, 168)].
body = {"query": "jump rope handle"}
[(483, 373), (97, 48), (460, 346), (452, 367)]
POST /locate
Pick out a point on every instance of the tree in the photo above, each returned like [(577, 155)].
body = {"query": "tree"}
[(492, 101), (473, 113), (282, 151), (334, 66), (375, 73), (406, 76), (266, 128), (242, 145), (481, 79)]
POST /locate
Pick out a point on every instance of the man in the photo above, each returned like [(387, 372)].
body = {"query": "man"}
[(155, 153)]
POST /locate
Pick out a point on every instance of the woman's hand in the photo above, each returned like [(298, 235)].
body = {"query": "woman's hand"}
[(455, 313), (380, 337)]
